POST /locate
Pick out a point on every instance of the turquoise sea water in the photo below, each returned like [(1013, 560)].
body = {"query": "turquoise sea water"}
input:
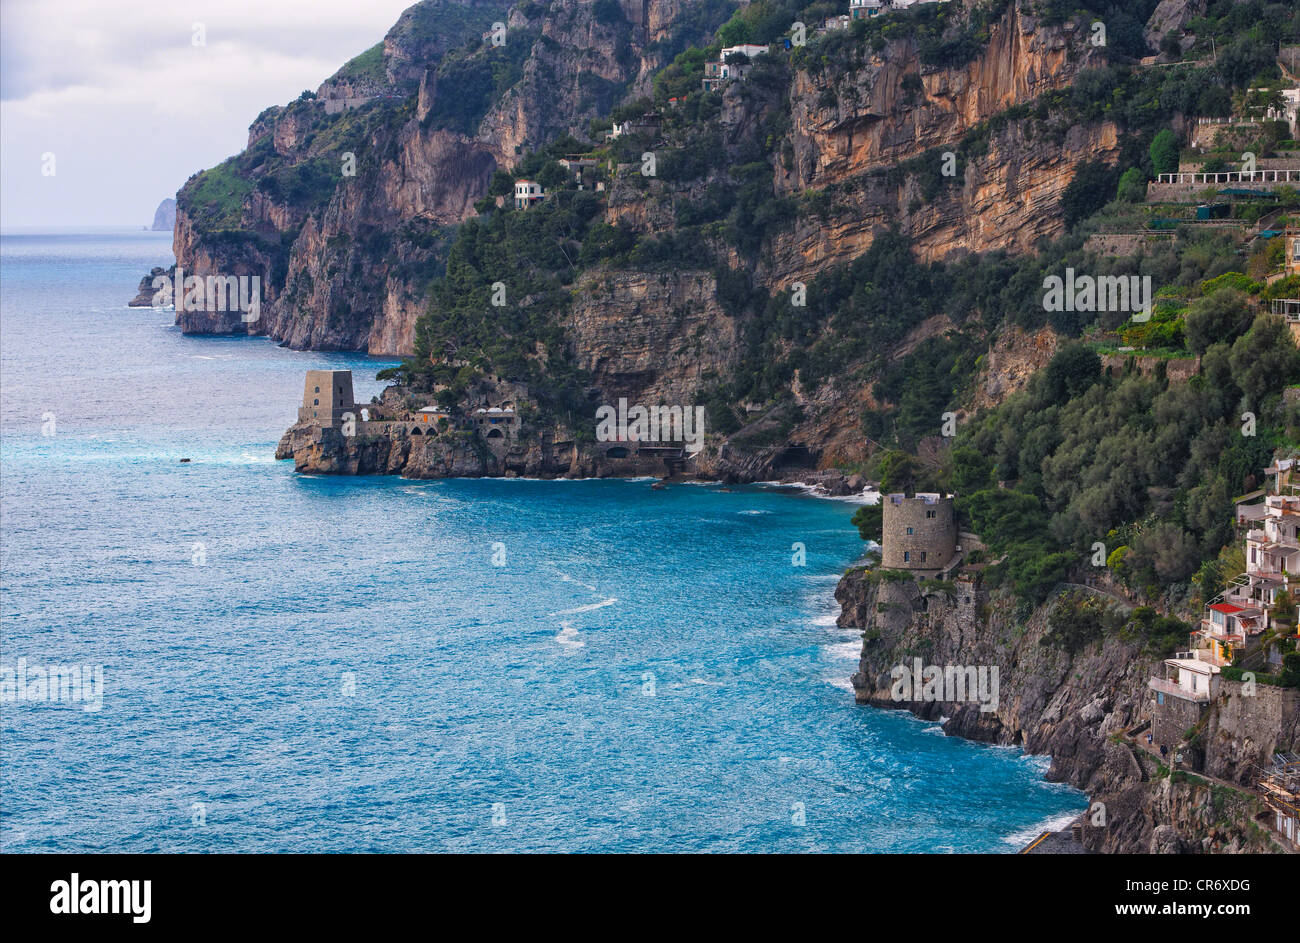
[(304, 663)]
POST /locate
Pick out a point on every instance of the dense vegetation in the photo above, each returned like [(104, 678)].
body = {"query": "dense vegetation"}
[(1145, 468)]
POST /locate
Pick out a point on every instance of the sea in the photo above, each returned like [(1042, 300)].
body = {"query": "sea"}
[(273, 662)]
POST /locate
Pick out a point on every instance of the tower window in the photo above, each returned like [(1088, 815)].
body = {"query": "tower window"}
[(909, 530), (318, 389), (929, 514), (922, 556), (316, 402), (907, 556)]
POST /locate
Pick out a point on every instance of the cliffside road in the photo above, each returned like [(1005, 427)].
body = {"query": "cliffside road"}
[(1154, 753)]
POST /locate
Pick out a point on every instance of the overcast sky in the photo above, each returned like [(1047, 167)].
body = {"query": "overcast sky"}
[(130, 107)]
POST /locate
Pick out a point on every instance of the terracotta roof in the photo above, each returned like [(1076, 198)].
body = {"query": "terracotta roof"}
[(1226, 608)]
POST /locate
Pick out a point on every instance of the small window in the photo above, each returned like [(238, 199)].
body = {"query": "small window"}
[(316, 402), (318, 389), (909, 531), (929, 514), (906, 556), (922, 556)]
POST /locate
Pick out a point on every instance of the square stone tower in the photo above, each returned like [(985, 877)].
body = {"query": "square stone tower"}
[(326, 396)]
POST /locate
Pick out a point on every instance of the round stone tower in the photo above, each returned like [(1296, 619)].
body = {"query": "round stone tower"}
[(919, 533)]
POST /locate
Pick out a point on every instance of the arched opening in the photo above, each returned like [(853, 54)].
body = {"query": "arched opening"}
[(795, 456), (415, 430), (495, 434), (617, 451)]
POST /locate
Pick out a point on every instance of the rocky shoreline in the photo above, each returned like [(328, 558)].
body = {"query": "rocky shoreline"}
[(1081, 709), (320, 450)]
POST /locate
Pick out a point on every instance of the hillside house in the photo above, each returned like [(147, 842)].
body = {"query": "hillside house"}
[(834, 23), (432, 415), (716, 73), (576, 165), (861, 9), (1187, 677), (528, 192), (496, 422)]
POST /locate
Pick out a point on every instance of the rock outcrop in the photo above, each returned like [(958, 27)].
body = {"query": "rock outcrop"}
[(164, 218), (1072, 706)]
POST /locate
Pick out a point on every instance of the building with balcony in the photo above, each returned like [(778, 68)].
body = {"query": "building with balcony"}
[(1240, 614), (1188, 675), (1188, 683), (528, 192)]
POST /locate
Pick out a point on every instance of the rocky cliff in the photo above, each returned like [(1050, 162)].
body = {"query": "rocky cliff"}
[(346, 246), (342, 199), (1074, 706)]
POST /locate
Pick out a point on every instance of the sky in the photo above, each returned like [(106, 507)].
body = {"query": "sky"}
[(123, 103)]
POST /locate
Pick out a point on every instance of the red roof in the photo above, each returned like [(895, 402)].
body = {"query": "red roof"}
[(1226, 608)]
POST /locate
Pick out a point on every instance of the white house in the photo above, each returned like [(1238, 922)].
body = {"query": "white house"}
[(860, 9), (528, 192), (715, 73), (1186, 677)]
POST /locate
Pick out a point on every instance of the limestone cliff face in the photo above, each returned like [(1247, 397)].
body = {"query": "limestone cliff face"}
[(351, 270), (1009, 200), (844, 125), (583, 64), (650, 336), (1012, 359), (851, 127), (1072, 707), (348, 266)]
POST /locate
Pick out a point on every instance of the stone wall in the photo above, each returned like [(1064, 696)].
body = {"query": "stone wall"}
[(1172, 719)]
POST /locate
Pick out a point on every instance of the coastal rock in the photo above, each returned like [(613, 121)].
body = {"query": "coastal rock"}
[(164, 218), (145, 294), (1073, 707)]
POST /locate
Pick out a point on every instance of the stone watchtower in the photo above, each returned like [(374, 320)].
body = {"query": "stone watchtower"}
[(326, 396), (918, 533)]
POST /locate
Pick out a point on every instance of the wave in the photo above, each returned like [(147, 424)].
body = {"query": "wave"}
[(568, 636), (1055, 823), (839, 681), (589, 608)]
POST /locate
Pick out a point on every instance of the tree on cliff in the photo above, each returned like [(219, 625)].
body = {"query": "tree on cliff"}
[(1222, 316), (869, 520), (1093, 186), (1164, 152)]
